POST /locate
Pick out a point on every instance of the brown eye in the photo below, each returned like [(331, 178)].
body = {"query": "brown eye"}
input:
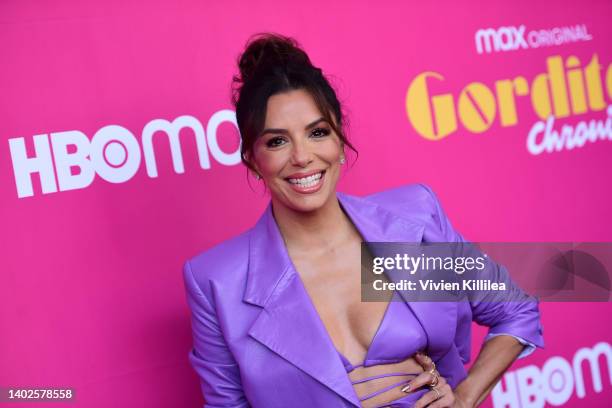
[(320, 132), (275, 141)]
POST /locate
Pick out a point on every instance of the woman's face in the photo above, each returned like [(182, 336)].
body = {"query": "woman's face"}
[(298, 153)]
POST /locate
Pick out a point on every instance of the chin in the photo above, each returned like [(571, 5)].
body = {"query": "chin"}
[(307, 204), (304, 203)]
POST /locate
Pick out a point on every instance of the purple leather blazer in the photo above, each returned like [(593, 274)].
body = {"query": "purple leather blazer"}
[(258, 340)]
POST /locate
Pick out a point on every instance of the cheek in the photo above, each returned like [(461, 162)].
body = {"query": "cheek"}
[(270, 163), (331, 151)]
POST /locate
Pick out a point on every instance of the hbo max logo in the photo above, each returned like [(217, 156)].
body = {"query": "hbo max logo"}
[(113, 153)]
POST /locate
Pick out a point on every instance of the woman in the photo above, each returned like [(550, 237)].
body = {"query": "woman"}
[(277, 316)]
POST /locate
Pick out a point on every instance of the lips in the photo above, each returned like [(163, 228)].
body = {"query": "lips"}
[(306, 183), (304, 174)]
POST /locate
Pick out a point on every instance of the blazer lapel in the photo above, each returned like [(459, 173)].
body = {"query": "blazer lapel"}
[(289, 324), (377, 224)]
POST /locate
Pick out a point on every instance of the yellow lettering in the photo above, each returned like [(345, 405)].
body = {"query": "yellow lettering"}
[(557, 86), (506, 90), (609, 81), (540, 97), (576, 85), (476, 107), (442, 121), (553, 92), (594, 88)]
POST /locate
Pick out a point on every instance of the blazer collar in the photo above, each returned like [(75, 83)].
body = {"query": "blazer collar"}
[(269, 259), (274, 284)]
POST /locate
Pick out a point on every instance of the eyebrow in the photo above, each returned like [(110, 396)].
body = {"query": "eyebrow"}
[(284, 131)]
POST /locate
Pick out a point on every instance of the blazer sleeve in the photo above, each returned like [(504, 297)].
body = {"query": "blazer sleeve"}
[(212, 360), (520, 318)]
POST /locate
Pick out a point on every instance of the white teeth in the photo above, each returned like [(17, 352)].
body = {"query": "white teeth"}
[(307, 181)]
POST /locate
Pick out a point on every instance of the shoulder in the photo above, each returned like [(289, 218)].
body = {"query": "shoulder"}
[(418, 203), (415, 200), (223, 262)]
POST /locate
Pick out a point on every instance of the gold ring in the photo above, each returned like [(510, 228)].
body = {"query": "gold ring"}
[(435, 380), (438, 395)]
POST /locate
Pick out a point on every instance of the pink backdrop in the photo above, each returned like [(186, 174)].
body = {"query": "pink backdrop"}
[(94, 238)]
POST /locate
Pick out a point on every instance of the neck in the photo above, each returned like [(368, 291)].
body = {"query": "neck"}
[(321, 228)]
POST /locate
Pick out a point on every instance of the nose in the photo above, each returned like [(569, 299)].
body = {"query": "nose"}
[(301, 155)]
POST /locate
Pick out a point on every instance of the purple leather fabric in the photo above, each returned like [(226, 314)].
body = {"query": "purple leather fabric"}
[(259, 342), (398, 336)]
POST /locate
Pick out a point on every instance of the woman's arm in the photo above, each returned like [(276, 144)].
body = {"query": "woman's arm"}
[(210, 357), (514, 312), (495, 356), (515, 316)]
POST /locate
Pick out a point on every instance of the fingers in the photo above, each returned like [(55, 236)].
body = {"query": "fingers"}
[(420, 380), (424, 379), (427, 399), (441, 394), (425, 361), (447, 398)]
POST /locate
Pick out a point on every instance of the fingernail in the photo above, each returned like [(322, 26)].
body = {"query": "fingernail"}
[(406, 388)]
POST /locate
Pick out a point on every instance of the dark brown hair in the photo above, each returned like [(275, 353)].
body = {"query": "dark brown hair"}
[(272, 63)]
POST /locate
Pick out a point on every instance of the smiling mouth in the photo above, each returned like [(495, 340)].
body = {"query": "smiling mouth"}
[(306, 182)]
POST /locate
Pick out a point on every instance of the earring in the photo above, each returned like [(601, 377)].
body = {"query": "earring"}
[(257, 176), (342, 160)]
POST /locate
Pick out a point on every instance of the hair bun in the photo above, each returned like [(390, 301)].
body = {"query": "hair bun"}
[(268, 50)]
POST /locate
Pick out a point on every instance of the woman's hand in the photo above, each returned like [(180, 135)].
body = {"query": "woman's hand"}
[(441, 394)]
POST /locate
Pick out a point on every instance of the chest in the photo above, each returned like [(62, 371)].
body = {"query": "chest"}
[(333, 281)]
